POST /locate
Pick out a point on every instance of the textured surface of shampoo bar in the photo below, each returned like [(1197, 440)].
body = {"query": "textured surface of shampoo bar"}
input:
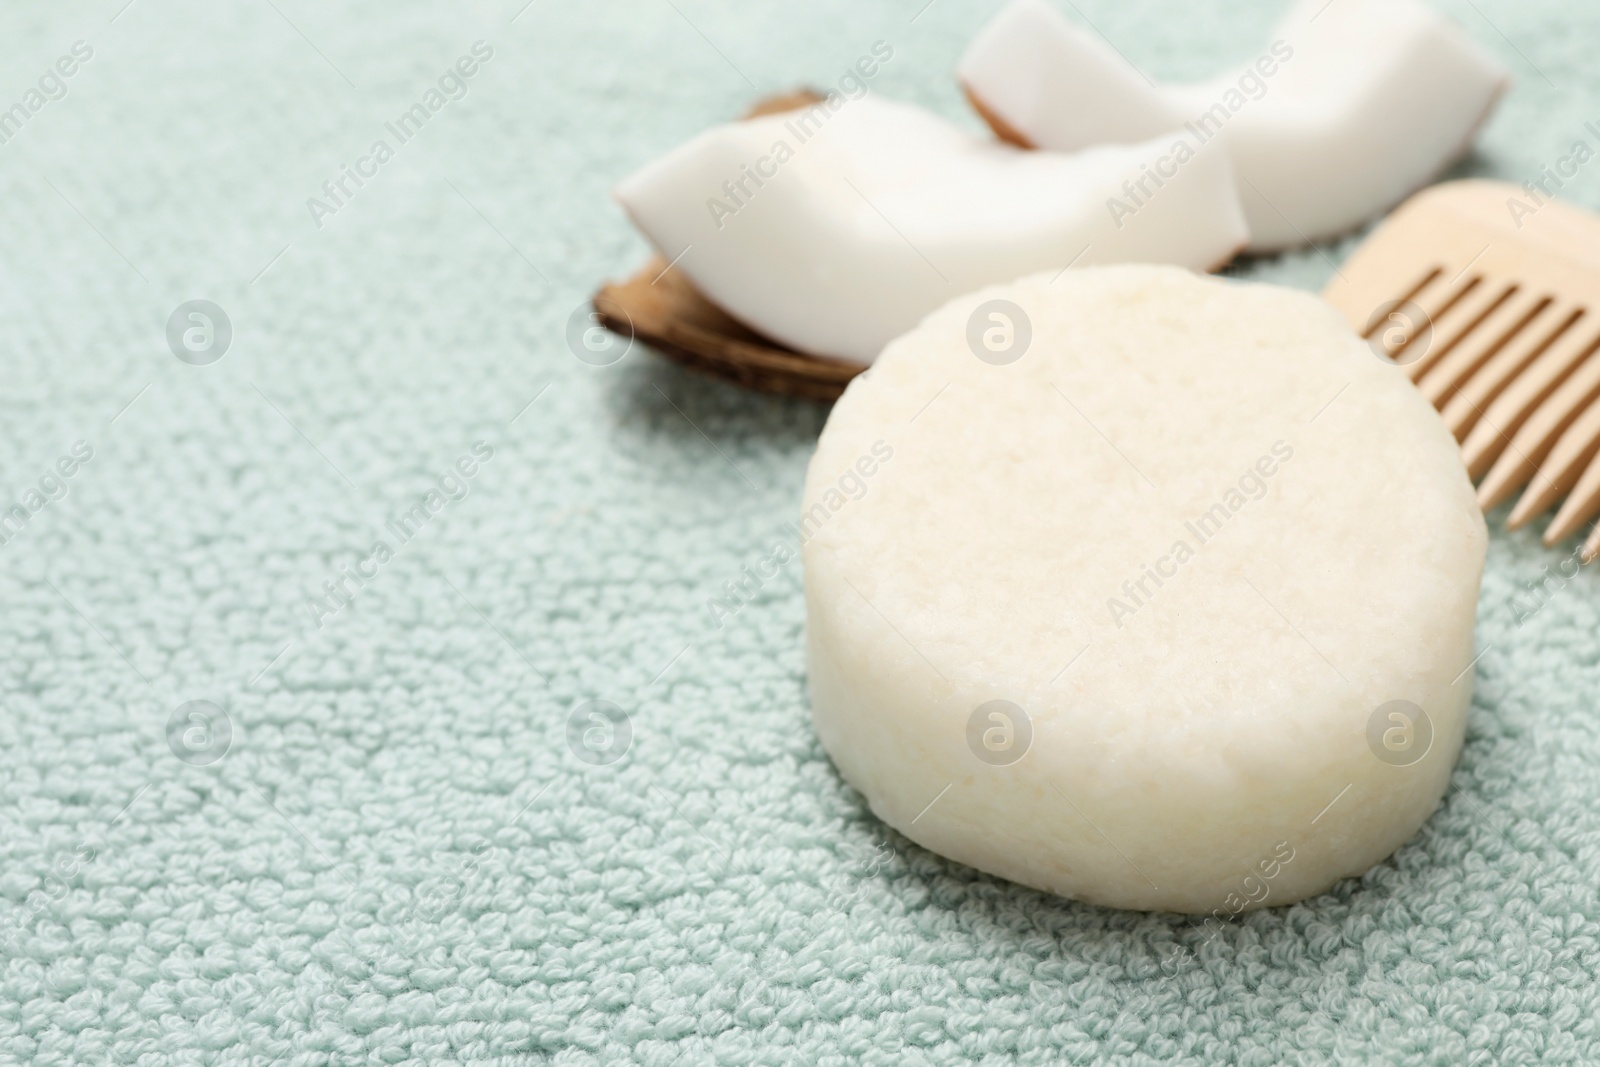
[(1163, 597)]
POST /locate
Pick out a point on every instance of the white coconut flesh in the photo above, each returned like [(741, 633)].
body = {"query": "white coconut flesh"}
[(837, 228), (1347, 108), (1219, 561)]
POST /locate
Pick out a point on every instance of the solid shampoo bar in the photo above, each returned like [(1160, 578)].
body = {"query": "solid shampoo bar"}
[(1164, 601)]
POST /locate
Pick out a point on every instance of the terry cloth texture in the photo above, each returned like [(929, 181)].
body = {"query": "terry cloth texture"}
[(380, 844)]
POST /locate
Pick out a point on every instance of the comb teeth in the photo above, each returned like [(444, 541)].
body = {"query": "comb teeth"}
[(1484, 340), (1490, 318)]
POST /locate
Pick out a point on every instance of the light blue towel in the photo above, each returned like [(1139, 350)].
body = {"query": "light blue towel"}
[(270, 794)]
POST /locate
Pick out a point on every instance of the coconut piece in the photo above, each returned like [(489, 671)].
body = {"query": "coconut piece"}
[(1354, 105), (659, 306), (1152, 590), (834, 228)]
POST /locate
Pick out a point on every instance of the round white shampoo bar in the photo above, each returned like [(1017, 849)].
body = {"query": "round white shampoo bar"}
[(1148, 589)]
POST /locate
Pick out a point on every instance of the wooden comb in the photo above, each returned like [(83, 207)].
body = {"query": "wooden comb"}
[(1480, 292)]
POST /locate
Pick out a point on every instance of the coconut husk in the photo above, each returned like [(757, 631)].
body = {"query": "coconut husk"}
[(1000, 127), (660, 307)]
